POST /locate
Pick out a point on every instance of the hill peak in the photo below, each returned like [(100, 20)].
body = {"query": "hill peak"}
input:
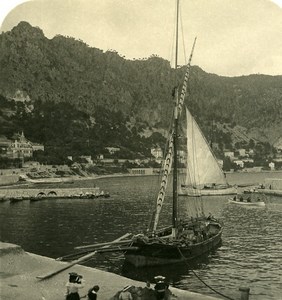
[(25, 29)]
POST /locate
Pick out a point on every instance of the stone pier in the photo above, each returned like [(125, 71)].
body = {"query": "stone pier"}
[(45, 192), (19, 269)]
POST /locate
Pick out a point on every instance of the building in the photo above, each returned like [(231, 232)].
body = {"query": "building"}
[(229, 154), (37, 147), (18, 147), (113, 150), (278, 144), (239, 163), (182, 156), (141, 171), (220, 162), (271, 166), (157, 152), (242, 152)]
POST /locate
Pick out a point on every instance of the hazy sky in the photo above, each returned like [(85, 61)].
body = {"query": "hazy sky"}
[(235, 37)]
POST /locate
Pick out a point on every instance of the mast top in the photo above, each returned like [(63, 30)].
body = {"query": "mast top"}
[(176, 34)]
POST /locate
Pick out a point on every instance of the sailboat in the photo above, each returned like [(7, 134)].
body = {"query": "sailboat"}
[(183, 240), (204, 176)]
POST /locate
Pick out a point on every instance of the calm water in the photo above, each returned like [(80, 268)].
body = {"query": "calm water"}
[(251, 254)]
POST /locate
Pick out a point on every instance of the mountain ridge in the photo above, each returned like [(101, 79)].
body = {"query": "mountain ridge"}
[(63, 69)]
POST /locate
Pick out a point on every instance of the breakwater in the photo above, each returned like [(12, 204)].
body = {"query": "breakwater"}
[(38, 193)]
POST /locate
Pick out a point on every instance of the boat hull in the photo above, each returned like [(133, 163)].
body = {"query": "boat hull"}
[(161, 254), (187, 191), (249, 204)]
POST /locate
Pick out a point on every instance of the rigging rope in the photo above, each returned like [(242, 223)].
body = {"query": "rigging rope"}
[(182, 32), (198, 277)]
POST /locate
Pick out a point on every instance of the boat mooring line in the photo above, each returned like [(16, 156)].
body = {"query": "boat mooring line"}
[(198, 277)]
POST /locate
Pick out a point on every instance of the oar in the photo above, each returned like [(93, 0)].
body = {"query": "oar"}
[(101, 250), (67, 266), (95, 246), (117, 241), (106, 244), (85, 257)]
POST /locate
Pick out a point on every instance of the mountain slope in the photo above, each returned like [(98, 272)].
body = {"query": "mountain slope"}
[(67, 70)]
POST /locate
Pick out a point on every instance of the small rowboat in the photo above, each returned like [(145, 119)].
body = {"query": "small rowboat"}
[(245, 203)]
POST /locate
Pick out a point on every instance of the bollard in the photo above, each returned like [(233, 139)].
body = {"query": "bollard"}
[(245, 292)]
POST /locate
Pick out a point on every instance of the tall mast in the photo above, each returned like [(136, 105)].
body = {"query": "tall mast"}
[(176, 34), (175, 138)]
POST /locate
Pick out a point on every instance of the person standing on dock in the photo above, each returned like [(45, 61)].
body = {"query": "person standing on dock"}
[(148, 292), (92, 293), (125, 294), (73, 285)]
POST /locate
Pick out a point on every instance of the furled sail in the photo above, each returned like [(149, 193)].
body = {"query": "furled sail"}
[(168, 159), (161, 195), (202, 166)]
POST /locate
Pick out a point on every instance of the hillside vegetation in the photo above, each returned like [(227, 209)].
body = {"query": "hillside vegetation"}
[(74, 92)]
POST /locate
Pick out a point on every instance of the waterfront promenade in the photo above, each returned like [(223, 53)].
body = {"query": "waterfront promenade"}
[(19, 269)]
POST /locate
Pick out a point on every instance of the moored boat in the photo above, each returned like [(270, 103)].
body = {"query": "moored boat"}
[(271, 186), (196, 238), (215, 190), (247, 199), (204, 175)]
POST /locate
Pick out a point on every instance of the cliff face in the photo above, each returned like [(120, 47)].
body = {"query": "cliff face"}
[(67, 70)]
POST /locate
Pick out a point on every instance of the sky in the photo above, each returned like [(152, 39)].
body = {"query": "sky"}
[(234, 37)]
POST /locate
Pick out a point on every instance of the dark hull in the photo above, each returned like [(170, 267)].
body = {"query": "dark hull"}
[(157, 253)]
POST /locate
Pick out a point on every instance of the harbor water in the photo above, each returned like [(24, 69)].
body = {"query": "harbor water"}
[(250, 254)]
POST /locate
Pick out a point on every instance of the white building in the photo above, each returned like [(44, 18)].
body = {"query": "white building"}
[(271, 166), (239, 163), (242, 152), (113, 150), (157, 152), (229, 154)]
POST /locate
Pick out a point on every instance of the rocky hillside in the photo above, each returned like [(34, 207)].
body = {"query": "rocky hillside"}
[(65, 70)]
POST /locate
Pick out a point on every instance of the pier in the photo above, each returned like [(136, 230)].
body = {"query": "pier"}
[(19, 270), (50, 193), (270, 192)]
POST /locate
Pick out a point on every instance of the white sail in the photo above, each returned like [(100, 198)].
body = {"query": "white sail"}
[(202, 166)]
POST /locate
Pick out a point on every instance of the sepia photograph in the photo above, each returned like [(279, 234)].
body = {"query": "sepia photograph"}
[(141, 149)]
